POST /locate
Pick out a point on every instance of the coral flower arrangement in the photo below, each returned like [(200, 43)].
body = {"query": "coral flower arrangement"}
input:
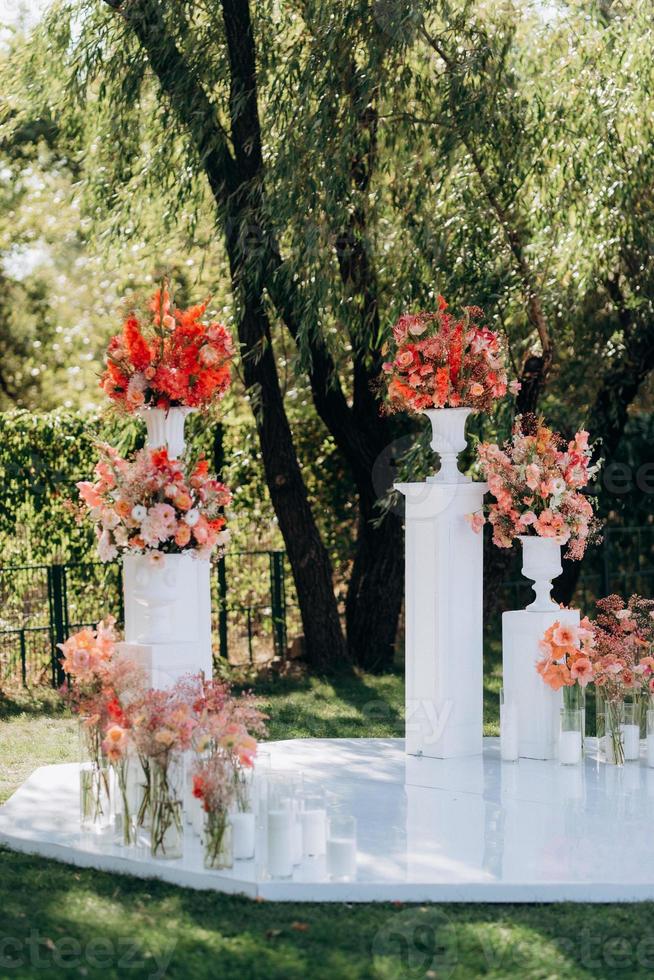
[(536, 480), (440, 361), (124, 722), (613, 652), (170, 358), (566, 653), (155, 504)]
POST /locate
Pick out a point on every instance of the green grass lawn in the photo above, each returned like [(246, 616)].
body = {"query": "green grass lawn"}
[(61, 922)]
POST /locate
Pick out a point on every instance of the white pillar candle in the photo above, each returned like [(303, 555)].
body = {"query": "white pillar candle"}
[(242, 835), (341, 857), (570, 748), (314, 832), (281, 827), (631, 735), (650, 750)]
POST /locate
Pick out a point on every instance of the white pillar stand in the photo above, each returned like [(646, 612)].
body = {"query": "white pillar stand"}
[(538, 706), (444, 619), (168, 615)]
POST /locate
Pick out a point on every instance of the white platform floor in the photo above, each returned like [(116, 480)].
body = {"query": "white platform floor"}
[(473, 830)]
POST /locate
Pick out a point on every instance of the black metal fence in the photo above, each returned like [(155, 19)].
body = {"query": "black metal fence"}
[(40, 605), (254, 607)]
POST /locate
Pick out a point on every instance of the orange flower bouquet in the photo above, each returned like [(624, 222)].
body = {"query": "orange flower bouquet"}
[(170, 358)]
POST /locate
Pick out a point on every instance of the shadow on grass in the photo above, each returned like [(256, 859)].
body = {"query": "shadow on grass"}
[(346, 705), (64, 922), (31, 702)]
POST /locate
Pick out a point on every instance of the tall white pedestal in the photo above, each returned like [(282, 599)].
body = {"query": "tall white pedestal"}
[(538, 706), (444, 620), (168, 615)]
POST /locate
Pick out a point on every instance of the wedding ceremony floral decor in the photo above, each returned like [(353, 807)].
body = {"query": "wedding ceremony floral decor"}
[(614, 653), (126, 723), (168, 358), (163, 725), (213, 786), (536, 480), (97, 679), (225, 745), (438, 360), (566, 662), (156, 505)]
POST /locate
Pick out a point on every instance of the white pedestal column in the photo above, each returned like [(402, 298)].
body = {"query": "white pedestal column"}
[(444, 642), (538, 706), (168, 615)]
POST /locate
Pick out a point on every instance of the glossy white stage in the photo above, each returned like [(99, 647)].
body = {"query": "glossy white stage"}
[(458, 830)]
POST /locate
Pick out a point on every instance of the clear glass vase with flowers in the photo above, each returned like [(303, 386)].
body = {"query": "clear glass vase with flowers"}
[(623, 670), (86, 657), (225, 749), (162, 728)]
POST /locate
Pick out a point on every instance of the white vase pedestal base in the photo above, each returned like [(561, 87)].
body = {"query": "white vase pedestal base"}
[(537, 705)]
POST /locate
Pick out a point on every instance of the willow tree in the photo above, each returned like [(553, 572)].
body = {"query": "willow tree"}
[(358, 158)]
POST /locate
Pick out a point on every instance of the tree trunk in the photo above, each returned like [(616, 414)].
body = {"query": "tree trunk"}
[(375, 591), (307, 555)]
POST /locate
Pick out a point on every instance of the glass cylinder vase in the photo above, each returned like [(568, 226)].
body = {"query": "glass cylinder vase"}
[(218, 853), (94, 779), (613, 737), (574, 698), (631, 712), (242, 817), (167, 806), (124, 799), (570, 740)]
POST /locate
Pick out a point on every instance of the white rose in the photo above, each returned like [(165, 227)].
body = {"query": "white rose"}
[(222, 538), (139, 513), (192, 516)]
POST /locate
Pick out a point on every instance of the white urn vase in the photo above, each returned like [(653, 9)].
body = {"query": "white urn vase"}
[(541, 562), (166, 428), (448, 426)]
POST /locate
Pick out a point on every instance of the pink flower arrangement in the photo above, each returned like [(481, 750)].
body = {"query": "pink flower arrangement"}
[(623, 635), (536, 482), (225, 724), (154, 504), (213, 783), (121, 715), (108, 689), (439, 361), (613, 651), (171, 357)]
